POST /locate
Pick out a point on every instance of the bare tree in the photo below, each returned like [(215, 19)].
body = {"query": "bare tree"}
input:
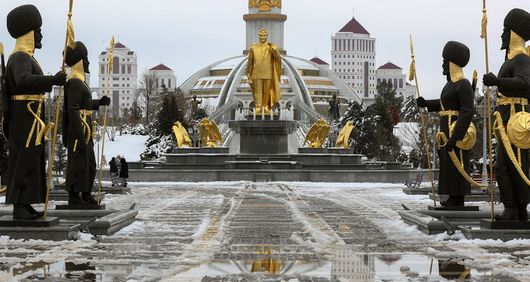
[(147, 92)]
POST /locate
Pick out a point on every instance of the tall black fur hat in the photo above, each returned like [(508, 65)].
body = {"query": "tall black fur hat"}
[(22, 20), (518, 21), (73, 56), (457, 53)]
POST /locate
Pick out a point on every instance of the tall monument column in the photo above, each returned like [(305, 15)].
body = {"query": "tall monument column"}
[(265, 14)]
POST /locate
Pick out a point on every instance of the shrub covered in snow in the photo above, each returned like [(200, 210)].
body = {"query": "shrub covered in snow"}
[(134, 129), (156, 146)]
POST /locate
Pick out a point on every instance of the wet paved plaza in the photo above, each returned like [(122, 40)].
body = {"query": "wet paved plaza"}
[(245, 231)]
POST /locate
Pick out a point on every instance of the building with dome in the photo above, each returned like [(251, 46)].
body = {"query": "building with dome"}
[(306, 85)]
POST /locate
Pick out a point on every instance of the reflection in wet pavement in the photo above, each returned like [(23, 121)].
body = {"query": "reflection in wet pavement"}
[(258, 232)]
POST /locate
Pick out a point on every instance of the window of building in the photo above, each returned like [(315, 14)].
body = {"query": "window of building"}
[(116, 65), (129, 69)]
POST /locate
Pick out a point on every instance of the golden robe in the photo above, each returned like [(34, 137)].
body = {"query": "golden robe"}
[(264, 70)]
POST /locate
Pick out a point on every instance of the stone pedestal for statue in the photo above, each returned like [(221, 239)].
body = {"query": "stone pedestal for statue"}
[(46, 228), (264, 136), (500, 225), (475, 196), (458, 208), (80, 207), (332, 151), (9, 221), (201, 150), (61, 195), (498, 230)]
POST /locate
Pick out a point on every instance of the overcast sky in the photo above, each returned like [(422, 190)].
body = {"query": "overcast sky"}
[(189, 35)]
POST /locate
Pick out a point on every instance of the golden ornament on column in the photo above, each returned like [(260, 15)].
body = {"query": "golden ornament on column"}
[(264, 5)]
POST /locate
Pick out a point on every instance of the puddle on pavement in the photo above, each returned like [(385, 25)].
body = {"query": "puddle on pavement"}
[(347, 264), (57, 270), (344, 265)]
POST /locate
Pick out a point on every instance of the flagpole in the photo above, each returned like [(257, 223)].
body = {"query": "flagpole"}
[(484, 35), (105, 115), (58, 110), (414, 76)]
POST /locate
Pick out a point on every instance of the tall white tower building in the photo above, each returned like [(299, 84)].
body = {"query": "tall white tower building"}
[(353, 59), (123, 78)]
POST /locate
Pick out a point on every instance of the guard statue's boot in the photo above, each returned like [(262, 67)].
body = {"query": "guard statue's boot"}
[(453, 201), (74, 199), (34, 212), (523, 212), (20, 211), (510, 213), (446, 202), (87, 197)]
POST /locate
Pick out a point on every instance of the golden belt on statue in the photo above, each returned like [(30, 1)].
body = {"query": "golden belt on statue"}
[(38, 127), (448, 113), (511, 101), (28, 97)]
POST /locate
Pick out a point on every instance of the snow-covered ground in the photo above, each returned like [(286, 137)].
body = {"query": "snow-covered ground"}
[(222, 230), (128, 146)]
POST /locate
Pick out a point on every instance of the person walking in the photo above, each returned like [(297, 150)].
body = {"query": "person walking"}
[(113, 172), (124, 172)]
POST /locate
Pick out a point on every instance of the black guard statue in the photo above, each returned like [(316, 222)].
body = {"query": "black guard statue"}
[(455, 104), (334, 108), (78, 128), (513, 82), (26, 129)]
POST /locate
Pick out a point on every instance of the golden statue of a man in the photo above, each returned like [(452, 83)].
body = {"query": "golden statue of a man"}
[(264, 69)]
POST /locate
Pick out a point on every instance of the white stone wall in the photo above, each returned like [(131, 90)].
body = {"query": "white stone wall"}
[(165, 77), (275, 28), (397, 77), (349, 54), (123, 85)]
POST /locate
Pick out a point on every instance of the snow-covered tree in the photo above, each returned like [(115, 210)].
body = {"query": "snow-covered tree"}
[(409, 111)]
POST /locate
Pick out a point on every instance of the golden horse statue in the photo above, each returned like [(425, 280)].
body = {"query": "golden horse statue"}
[(343, 140), (181, 135), (317, 134), (209, 134)]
